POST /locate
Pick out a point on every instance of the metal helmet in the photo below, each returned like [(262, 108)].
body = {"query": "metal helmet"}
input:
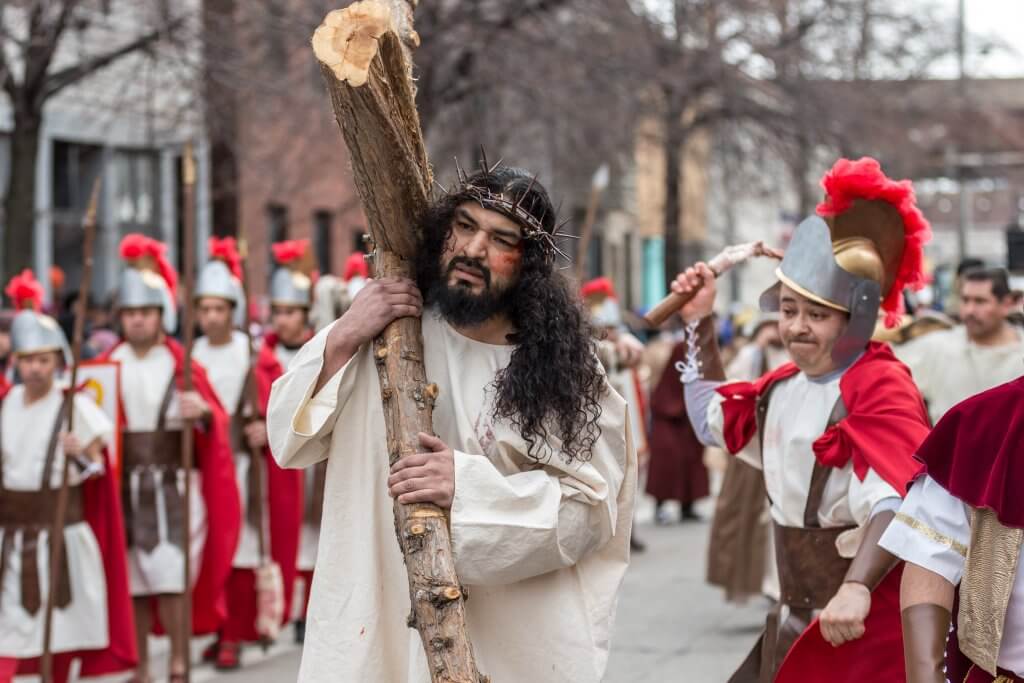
[(33, 332), (216, 280), (811, 267), (291, 288), (291, 284), (861, 255), (139, 288)]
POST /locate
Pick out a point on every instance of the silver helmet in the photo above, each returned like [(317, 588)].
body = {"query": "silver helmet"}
[(810, 268), (139, 288), (33, 332), (860, 258), (216, 280), (291, 288)]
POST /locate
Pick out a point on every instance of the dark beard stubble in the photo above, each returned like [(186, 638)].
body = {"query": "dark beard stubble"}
[(459, 305)]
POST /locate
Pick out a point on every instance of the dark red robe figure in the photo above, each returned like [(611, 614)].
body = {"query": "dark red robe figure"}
[(220, 495), (676, 470), (286, 486)]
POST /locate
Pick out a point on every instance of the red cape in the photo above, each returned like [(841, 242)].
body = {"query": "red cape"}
[(886, 417), (974, 452), (284, 488), (875, 657), (220, 495), (102, 501)]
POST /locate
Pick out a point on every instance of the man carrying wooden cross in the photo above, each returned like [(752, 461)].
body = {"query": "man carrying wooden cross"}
[(532, 456)]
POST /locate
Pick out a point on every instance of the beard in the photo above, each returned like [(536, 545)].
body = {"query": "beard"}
[(462, 307)]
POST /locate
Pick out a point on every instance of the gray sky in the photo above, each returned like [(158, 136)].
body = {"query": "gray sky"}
[(1002, 19)]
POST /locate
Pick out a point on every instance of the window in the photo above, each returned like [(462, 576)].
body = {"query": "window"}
[(322, 223), (75, 169), (135, 192), (277, 231)]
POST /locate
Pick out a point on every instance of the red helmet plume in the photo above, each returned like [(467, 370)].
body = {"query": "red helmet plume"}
[(864, 179), (146, 252), (25, 291), (226, 249)]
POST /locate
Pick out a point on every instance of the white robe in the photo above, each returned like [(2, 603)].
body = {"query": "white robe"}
[(948, 367), (933, 531), (543, 549), (798, 414), (226, 367), (143, 383), (82, 625)]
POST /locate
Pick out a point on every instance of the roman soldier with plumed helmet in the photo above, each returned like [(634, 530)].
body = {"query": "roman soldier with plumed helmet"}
[(155, 407), (291, 298), (271, 497), (92, 618), (835, 431)]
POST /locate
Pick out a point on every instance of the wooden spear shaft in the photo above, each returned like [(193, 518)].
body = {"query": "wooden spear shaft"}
[(188, 435), (57, 532), (368, 77)]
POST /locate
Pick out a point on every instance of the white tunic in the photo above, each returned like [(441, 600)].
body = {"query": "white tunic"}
[(226, 367), (82, 625), (543, 549), (948, 367), (798, 414), (144, 380), (933, 531)]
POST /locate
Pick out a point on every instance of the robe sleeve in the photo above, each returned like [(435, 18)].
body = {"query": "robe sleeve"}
[(299, 423), (932, 530), (508, 527), (866, 496)]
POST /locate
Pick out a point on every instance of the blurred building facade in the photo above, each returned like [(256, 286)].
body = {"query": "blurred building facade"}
[(280, 169), (127, 124)]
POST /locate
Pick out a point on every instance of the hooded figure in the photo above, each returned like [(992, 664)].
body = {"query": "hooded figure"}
[(835, 431)]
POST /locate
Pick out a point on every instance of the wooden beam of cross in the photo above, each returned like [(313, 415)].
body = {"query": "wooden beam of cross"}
[(366, 63)]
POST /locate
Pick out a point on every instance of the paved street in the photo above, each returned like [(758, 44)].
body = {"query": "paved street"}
[(671, 626)]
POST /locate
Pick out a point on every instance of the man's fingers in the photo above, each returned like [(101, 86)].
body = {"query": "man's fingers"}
[(409, 473), (408, 486), (431, 442), (422, 496), (415, 460)]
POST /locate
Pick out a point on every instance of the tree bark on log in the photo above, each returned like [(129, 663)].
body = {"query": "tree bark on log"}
[(369, 80)]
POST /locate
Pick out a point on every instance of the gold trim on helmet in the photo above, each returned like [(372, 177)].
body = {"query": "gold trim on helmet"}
[(807, 294)]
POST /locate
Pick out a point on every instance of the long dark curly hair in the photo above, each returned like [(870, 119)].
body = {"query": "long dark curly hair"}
[(553, 383)]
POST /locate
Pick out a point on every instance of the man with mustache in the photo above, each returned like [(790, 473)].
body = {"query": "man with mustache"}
[(834, 432), (532, 458), (984, 352)]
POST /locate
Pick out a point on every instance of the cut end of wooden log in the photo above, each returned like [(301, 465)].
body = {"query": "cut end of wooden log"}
[(346, 42)]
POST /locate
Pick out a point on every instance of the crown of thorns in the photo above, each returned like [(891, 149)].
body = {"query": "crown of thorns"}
[(533, 227)]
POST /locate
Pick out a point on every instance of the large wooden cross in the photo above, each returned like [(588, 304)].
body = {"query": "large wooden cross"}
[(365, 55)]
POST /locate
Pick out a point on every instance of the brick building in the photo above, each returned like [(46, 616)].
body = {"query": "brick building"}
[(279, 165)]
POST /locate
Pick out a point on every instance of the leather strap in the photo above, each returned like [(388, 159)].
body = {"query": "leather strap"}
[(165, 404), (872, 562), (925, 629), (820, 474), (51, 447)]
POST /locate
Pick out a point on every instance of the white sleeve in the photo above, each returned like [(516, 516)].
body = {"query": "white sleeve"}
[(932, 530), (867, 497), (511, 527), (299, 424), (91, 422), (751, 453)]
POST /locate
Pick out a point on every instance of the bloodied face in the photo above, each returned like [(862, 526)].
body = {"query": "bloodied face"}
[(479, 265)]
